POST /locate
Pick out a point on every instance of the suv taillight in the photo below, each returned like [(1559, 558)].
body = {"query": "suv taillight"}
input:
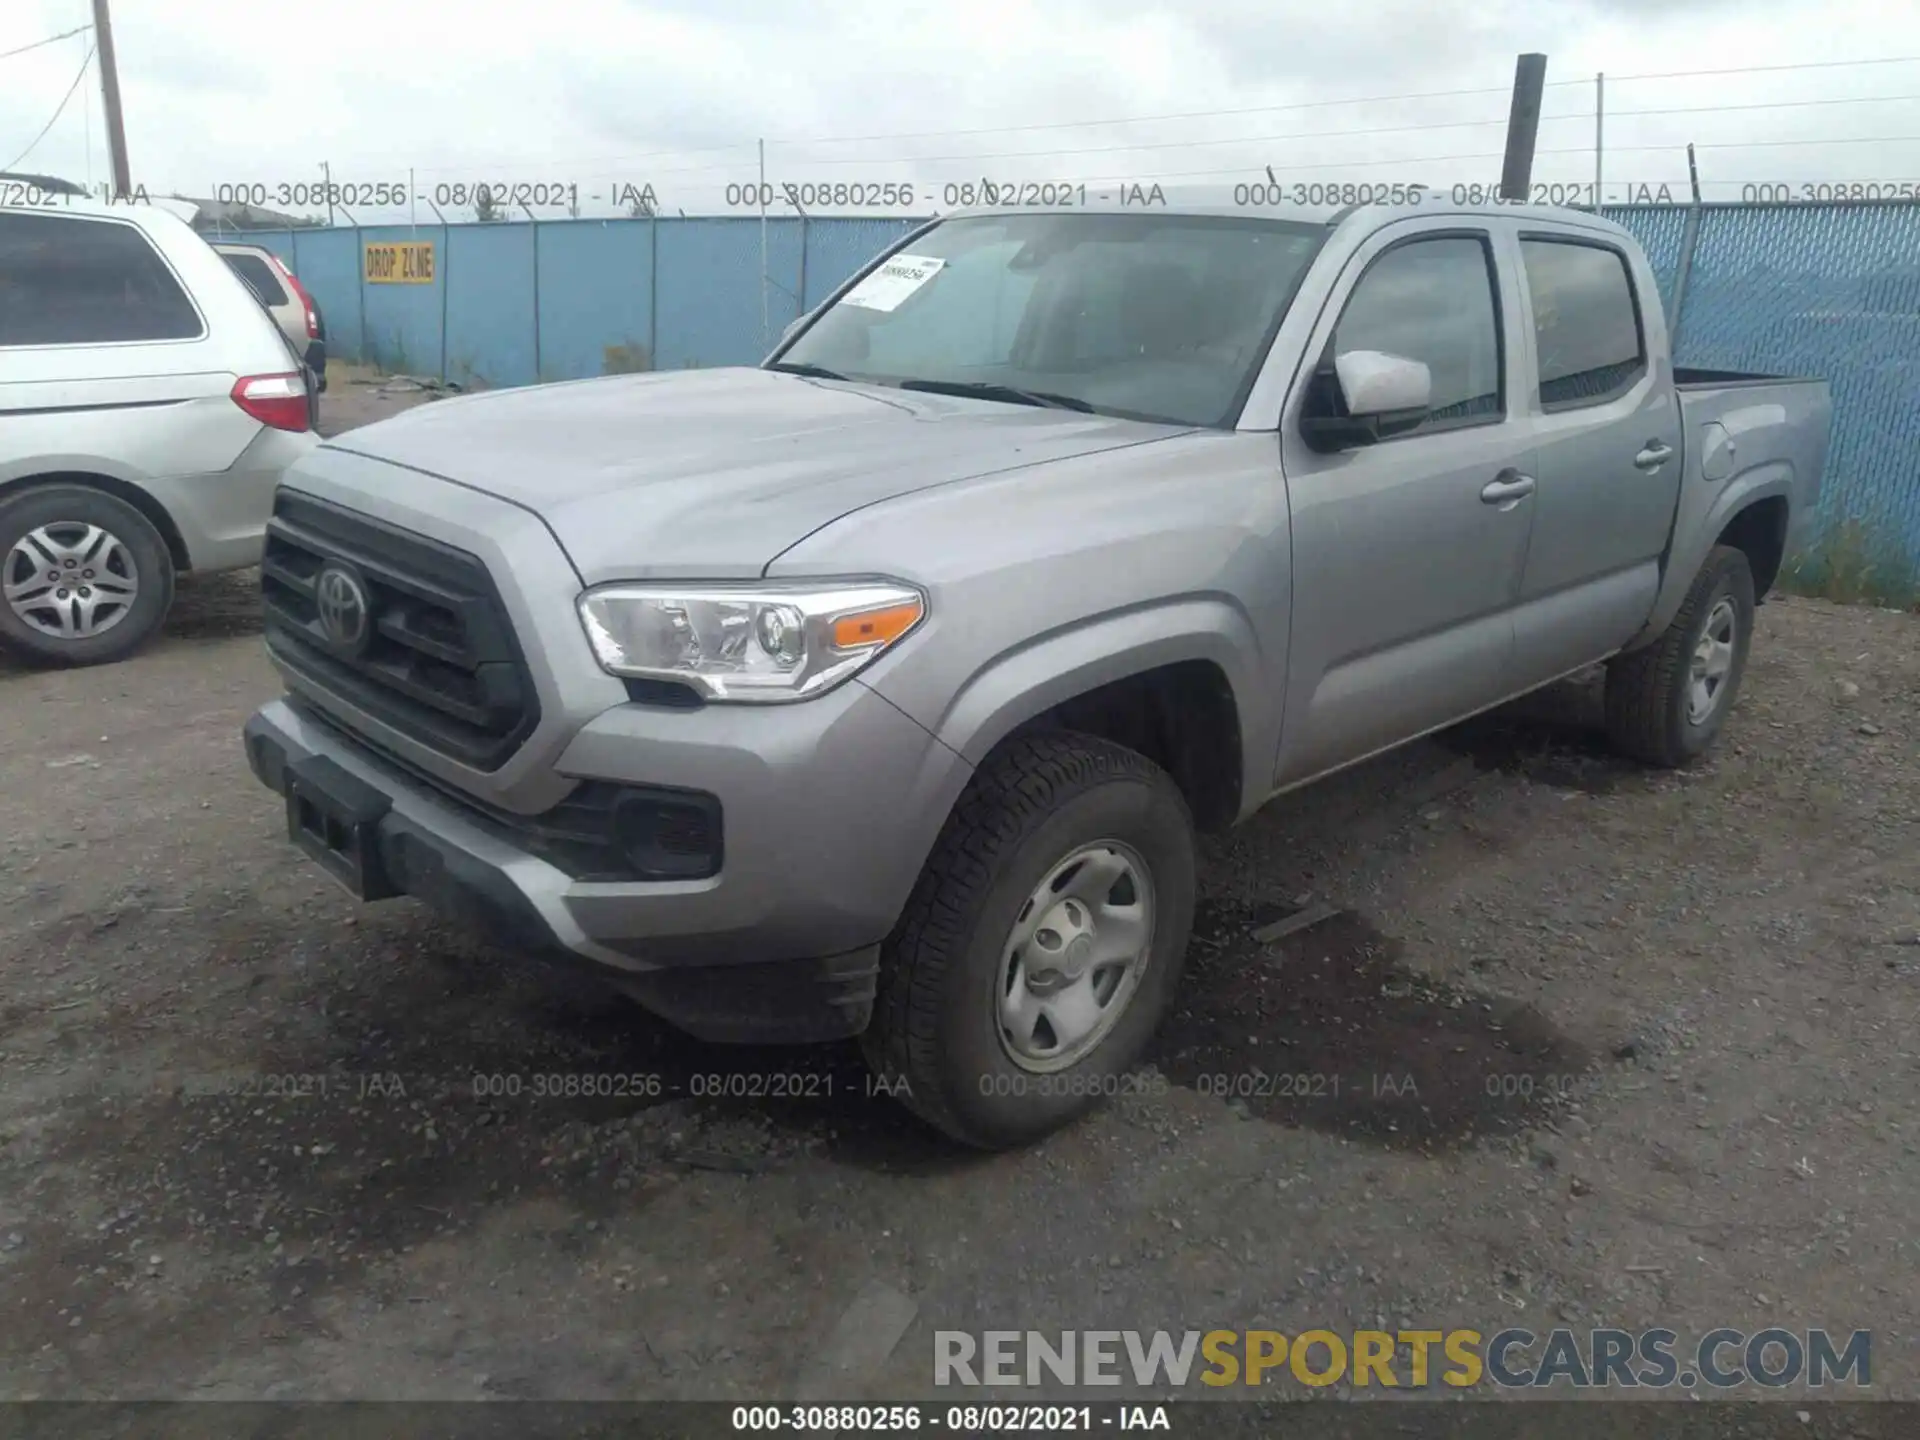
[(276, 400), (300, 293)]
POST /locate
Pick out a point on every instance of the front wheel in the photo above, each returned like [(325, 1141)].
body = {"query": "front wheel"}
[(84, 577), (1667, 701), (1042, 943)]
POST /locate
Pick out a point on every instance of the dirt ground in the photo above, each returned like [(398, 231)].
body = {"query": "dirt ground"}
[(1597, 1046)]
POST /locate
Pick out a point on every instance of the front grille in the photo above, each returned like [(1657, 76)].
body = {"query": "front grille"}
[(439, 662)]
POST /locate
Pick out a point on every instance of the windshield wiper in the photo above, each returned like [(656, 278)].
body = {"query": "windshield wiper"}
[(814, 372), (993, 390)]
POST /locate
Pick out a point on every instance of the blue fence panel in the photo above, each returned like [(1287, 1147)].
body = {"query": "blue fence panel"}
[(596, 297), (489, 270), (708, 292), (402, 323), (328, 264), (1830, 291), (1661, 231)]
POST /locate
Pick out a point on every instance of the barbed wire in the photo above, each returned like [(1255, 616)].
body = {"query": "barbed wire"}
[(51, 39)]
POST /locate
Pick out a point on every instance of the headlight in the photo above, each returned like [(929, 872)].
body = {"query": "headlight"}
[(762, 643)]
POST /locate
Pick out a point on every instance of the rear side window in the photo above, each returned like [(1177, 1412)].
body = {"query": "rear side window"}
[(1586, 324), (1433, 301), (66, 281), (259, 277)]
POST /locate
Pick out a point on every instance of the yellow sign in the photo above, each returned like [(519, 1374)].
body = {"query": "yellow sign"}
[(409, 262)]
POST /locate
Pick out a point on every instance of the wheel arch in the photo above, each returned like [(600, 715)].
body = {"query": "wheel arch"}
[(122, 490), (1168, 681)]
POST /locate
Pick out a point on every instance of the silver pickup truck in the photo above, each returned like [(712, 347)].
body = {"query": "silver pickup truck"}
[(880, 689)]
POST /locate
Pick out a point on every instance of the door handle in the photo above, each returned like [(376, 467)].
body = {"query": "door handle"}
[(1653, 456), (1507, 489)]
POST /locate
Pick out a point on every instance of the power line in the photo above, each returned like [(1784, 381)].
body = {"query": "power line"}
[(57, 111), (1290, 107), (63, 35), (1757, 69), (1587, 115)]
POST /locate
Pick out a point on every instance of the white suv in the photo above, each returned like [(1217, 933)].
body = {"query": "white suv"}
[(148, 404)]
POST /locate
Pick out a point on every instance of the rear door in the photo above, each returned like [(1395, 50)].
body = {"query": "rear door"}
[(1610, 461), (107, 362), (1407, 554)]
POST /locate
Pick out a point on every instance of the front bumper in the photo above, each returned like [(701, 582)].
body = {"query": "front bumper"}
[(828, 809)]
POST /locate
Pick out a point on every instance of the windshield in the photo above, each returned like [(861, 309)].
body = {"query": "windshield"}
[(1156, 317)]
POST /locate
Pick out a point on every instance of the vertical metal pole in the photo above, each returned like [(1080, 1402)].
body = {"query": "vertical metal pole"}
[(110, 98), (653, 291), (1599, 135), (803, 262), (446, 262), (1693, 173), (360, 262), (764, 327), (1688, 240), (326, 171), (1523, 127), (539, 372)]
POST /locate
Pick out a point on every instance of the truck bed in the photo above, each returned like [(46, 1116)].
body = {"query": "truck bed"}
[(1742, 434)]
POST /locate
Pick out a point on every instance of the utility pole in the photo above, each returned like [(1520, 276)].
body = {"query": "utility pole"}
[(1599, 133), (1523, 127), (110, 98), (326, 172)]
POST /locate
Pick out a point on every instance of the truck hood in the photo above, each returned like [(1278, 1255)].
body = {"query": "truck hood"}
[(713, 473)]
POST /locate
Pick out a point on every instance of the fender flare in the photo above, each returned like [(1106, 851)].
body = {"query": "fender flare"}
[(1772, 480), (1033, 677)]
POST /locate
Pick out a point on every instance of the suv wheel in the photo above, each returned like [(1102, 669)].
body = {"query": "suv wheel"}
[(84, 577), (1042, 942), (1667, 701)]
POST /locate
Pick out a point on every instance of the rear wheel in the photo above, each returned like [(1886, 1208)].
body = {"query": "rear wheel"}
[(1667, 702), (1042, 943), (84, 577)]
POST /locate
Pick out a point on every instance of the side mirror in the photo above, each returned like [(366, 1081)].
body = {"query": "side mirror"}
[(1363, 397)]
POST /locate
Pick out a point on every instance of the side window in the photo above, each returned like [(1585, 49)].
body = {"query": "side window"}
[(1586, 325), (258, 275), (66, 281), (1433, 301)]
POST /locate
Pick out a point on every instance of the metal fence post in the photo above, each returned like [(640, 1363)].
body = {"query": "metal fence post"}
[(360, 288), (1688, 239), (539, 371), (653, 292), (801, 299), (446, 284)]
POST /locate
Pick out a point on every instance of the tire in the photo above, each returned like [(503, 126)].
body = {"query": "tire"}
[(937, 1040), (56, 524), (1652, 710)]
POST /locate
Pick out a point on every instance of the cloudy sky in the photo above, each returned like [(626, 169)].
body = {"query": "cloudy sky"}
[(599, 94)]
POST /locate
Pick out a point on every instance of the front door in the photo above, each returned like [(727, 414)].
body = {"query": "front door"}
[(1408, 554)]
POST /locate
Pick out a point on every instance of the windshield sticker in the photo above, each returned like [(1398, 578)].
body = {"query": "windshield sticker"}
[(893, 282)]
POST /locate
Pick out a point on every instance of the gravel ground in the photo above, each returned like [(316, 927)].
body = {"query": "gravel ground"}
[(1594, 1046)]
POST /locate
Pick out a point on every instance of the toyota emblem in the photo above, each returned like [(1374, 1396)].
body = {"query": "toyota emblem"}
[(346, 614)]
